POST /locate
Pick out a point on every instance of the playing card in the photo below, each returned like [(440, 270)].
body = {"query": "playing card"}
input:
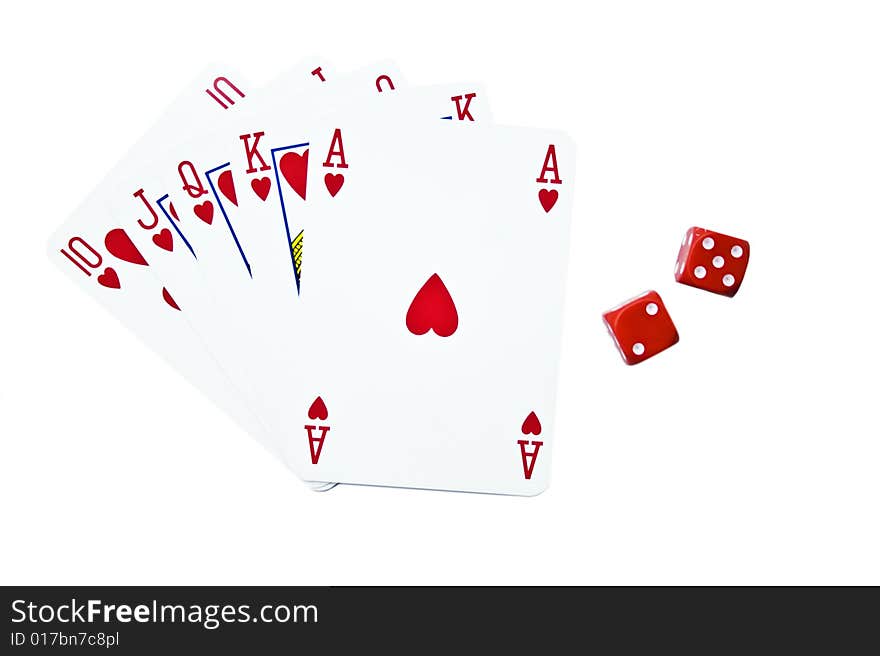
[(95, 247), (230, 237), (187, 239), (431, 307), (295, 193), (201, 260), (263, 353)]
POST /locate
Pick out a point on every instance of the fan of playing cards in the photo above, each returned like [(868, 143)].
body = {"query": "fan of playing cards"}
[(367, 277)]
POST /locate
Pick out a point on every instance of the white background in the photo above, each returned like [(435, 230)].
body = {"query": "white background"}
[(748, 453)]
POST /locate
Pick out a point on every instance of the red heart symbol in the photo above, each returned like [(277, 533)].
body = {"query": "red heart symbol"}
[(163, 240), (334, 182), (261, 187), (205, 211), (432, 308), (109, 278), (548, 198), (119, 244), (531, 426), (169, 299), (173, 212), (227, 186), (318, 410), (294, 167)]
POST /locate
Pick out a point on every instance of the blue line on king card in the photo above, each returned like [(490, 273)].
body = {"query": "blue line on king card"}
[(174, 225), (295, 245), (226, 216)]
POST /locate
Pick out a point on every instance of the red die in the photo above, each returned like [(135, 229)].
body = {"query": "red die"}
[(712, 261), (641, 327)]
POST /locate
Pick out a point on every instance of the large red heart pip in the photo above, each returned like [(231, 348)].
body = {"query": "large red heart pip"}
[(531, 426), (294, 167), (318, 410), (227, 186), (548, 198), (261, 187), (432, 309), (120, 245)]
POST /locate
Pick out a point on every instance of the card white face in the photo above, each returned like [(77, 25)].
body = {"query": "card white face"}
[(192, 245), (431, 307), (95, 249), (437, 337), (249, 315), (115, 244), (235, 312)]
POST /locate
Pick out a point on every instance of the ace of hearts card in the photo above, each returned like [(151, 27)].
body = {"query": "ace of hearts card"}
[(431, 305)]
